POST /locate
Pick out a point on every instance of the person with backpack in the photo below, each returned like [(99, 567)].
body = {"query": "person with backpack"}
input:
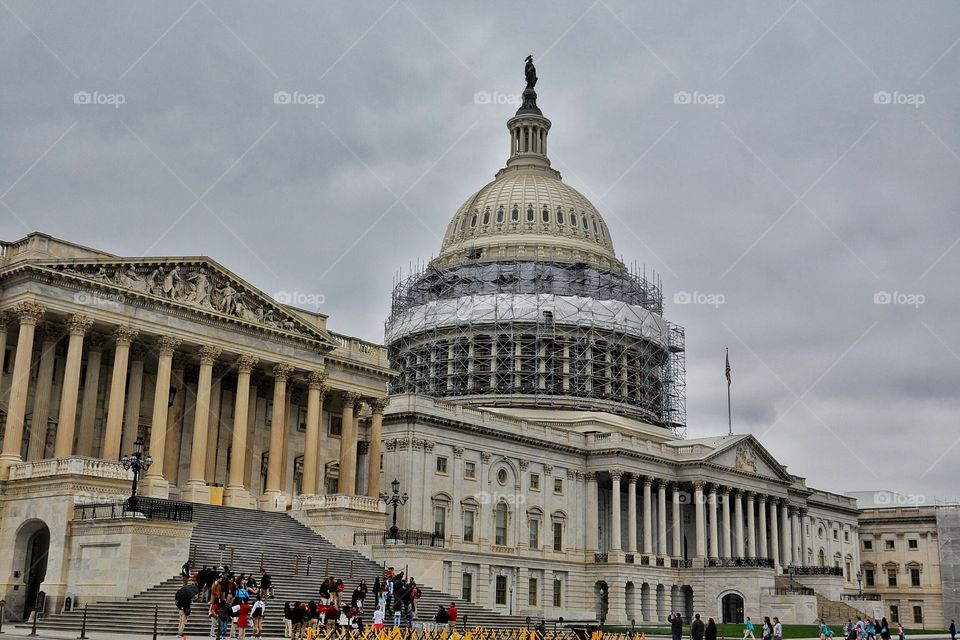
[(184, 599), (259, 608), (287, 620)]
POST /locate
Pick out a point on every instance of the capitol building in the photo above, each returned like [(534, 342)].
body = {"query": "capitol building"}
[(529, 398)]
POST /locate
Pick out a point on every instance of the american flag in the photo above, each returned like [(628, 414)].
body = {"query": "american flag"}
[(727, 369)]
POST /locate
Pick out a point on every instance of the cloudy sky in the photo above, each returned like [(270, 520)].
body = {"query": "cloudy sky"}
[(792, 166)]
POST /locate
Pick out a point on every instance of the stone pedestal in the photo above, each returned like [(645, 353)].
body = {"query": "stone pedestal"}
[(238, 497), (273, 501), (196, 492), (155, 488)]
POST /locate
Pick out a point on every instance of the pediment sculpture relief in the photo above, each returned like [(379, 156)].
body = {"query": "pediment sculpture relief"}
[(746, 460)]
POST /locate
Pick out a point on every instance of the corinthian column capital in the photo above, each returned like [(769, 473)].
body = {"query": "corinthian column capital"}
[(168, 345), (123, 335), (317, 380), (78, 325), (209, 354), (282, 371), (246, 363), (377, 405), (29, 312)]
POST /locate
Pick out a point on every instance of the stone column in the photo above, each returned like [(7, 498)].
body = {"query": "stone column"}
[(647, 516), (123, 336), (762, 548), (677, 545), (5, 319), (700, 517), (794, 556), (213, 424), (197, 489), (593, 516), (616, 512), (29, 314), (774, 535), (175, 418), (91, 393), (315, 382), (738, 525), (726, 535), (714, 528), (631, 513), (661, 519), (751, 528), (131, 420), (804, 541), (319, 480), (273, 498), (66, 424), (236, 494), (40, 418), (785, 555), (154, 484), (376, 441), (348, 445)]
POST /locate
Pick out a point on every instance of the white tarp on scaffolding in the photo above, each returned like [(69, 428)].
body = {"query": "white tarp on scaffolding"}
[(531, 308)]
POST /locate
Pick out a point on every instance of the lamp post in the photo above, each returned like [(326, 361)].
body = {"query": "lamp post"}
[(137, 463), (394, 500)]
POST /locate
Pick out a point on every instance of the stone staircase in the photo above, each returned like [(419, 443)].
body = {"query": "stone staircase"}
[(832, 611), (283, 545)]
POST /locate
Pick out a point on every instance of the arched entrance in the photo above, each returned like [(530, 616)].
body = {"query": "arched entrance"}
[(600, 590), (731, 608), (32, 548)]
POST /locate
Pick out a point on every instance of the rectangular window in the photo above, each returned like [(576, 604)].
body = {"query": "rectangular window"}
[(868, 577), (468, 519), (558, 536), (500, 531), (8, 362), (889, 545), (891, 577), (868, 545), (501, 590), (332, 486), (441, 465), (558, 485), (534, 534), (913, 544), (466, 587), (301, 418), (846, 536), (894, 613), (557, 593), (914, 577), (535, 481), (917, 614), (847, 572), (439, 519), (836, 536), (470, 470), (532, 592), (336, 425)]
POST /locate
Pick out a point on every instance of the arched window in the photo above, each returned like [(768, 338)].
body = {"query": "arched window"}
[(822, 558), (473, 221), (515, 214), (500, 532), (595, 228), (545, 215), (573, 220), (583, 219), (486, 217), (559, 215), (529, 214), (500, 214), (462, 222)]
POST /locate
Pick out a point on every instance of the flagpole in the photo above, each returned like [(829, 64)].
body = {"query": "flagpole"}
[(729, 413)]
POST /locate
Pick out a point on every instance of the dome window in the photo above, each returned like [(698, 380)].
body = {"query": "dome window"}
[(515, 214), (583, 219), (545, 215), (559, 215), (500, 214), (529, 214), (473, 221), (486, 217), (595, 232), (573, 220), (462, 222)]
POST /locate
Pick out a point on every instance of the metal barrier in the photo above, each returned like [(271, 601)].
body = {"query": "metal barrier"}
[(403, 536), (150, 508)]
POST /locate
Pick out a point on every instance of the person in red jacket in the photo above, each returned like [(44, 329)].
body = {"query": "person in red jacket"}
[(243, 617), (452, 612)]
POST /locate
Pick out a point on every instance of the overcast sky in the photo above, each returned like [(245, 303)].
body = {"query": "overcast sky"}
[(781, 188)]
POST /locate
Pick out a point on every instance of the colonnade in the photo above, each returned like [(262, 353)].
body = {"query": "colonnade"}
[(75, 426), (728, 522)]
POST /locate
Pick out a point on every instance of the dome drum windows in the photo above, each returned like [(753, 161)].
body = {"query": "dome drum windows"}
[(515, 214), (486, 217), (530, 214), (545, 215), (559, 216), (500, 214), (473, 220)]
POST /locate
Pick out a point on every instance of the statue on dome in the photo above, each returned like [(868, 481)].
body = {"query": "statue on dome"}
[(530, 72)]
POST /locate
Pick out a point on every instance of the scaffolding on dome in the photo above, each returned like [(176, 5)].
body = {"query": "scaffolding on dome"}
[(539, 335)]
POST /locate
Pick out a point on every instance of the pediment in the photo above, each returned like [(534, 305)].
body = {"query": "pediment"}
[(747, 455), (198, 284)]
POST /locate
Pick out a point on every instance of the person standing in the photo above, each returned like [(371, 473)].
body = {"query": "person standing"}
[(953, 630), (710, 633), (777, 629), (453, 613), (766, 631), (185, 574), (748, 629), (378, 618), (676, 626), (259, 608), (243, 619), (184, 598), (696, 628)]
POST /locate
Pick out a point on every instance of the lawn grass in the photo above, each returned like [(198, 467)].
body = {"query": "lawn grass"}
[(790, 631)]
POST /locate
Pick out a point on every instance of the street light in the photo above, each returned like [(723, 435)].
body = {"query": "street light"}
[(394, 500), (137, 463)]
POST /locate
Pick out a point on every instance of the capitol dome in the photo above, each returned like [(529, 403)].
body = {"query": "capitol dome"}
[(527, 306)]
